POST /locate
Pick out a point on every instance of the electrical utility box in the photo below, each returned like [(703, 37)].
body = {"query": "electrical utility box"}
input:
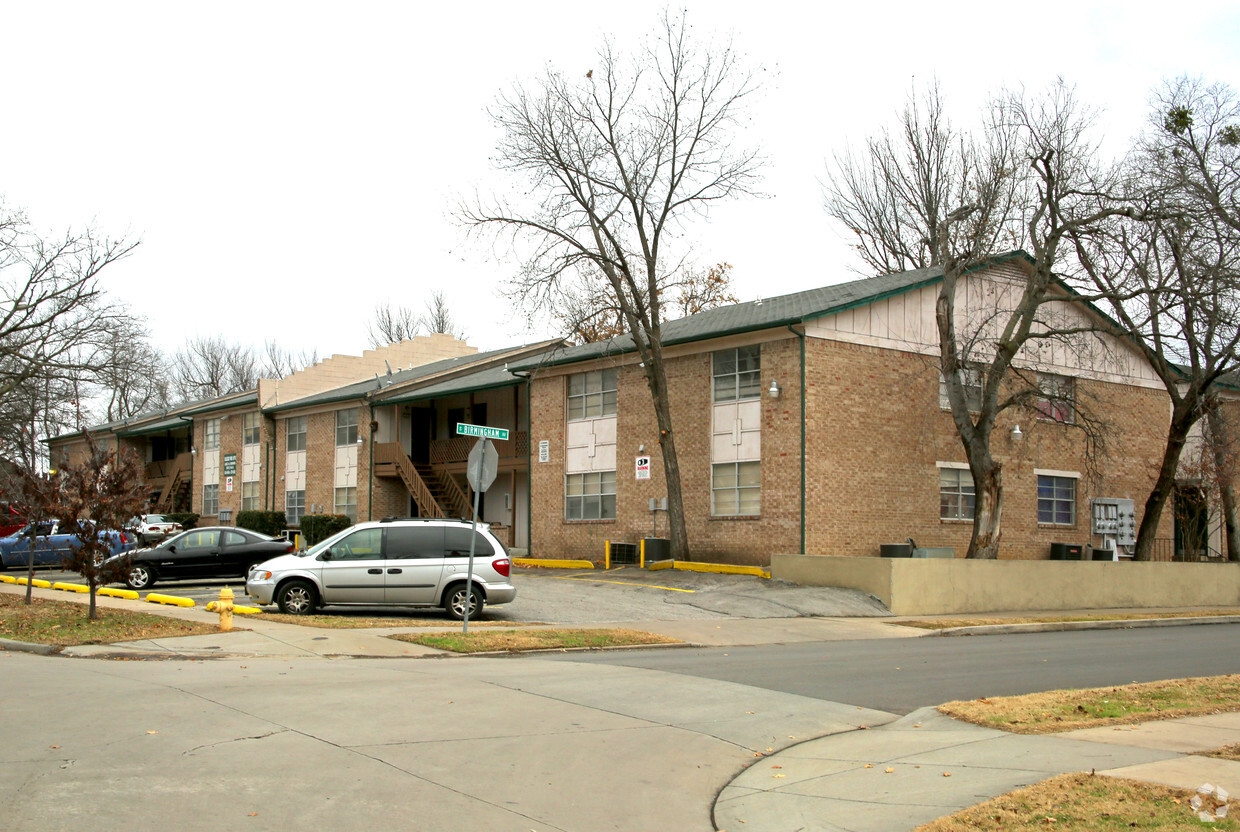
[(1116, 519)]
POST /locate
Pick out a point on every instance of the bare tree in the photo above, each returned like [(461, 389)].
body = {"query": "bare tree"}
[(1221, 436), (614, 161), (278, 362), (133, 377), (54, 321), (1173, 280), (393, 324), (438, 318), (933, 196), (96, 498), (208, 367)]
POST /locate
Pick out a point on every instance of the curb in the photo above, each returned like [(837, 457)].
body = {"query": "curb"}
[(1061, 626), (27, 647), (553, 563)]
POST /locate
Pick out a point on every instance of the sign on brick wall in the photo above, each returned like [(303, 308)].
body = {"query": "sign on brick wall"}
[(230, 465)]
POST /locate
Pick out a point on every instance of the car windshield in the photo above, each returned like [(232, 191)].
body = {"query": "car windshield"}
[(322, 545)]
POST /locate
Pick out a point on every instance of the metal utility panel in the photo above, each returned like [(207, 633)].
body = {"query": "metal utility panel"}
[(1116, 517)]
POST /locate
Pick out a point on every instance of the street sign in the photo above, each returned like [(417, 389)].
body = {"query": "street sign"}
[(483, 463), (485, 432)]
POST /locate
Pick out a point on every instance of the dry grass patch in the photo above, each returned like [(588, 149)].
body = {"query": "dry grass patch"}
[(64, 623), (516, 641), (344, 621), (1065, 710), (1227, 752), (981, 621), (1082, 803)]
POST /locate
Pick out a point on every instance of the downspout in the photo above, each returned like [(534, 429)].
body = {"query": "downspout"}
[(801, 336), (529, 466), (370, 468)]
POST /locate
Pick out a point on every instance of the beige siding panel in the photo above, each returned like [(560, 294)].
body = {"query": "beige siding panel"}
[(251, 463), (346, 466), (295, 471)]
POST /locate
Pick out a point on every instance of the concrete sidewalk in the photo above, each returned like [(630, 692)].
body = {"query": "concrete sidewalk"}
[(834, 783)]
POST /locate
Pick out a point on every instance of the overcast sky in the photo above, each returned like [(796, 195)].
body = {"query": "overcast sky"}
[(288, 166)]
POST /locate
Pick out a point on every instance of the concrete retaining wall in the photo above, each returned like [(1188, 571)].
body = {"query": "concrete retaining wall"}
[(915, 586)]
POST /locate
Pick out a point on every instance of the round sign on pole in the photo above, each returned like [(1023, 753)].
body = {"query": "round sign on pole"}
[(483, 465)]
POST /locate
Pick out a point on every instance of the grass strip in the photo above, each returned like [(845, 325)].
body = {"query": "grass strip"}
[(1066, 710), (64, 623), (1082, 803), (345, 621), (516, 641), (979, 621)]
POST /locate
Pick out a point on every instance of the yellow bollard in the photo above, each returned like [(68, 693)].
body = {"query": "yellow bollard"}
[(225, 608)]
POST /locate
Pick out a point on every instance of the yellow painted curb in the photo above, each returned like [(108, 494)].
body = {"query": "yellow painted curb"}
[(655, 566), (554, 563), (118, 593), (722, 568), (237, 608), (7, 579), (71, 587), (172, 600), (39, 582)]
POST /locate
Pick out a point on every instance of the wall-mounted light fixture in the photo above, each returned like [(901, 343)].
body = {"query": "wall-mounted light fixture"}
[(774, 389), (641, 449), (1015, 435), (361, 439), (193, 452)]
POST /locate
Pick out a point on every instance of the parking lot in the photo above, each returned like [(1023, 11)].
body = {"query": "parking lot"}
[(579, 597)]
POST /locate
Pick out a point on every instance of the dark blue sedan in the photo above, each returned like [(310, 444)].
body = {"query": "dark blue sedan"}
[(52, 544)]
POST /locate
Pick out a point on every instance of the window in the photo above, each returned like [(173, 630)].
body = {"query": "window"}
[(973, 378), (956, 495), (235, 539), (200, 538), (456, 543), (592, 394), (1058, 393), (736, 489), (737, 373), (211, 499), (1057, 500), (211, 437), (249, 496), (297, 433), (294, 506), (346, 502), (363, 544), (346, 427), (590, 496), (415, 541), (251, 428)]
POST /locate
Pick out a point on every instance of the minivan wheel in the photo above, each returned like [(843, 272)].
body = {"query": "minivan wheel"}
[(297, 598), (454, 605), (140, 576)]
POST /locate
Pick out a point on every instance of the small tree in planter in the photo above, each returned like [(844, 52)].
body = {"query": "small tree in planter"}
[(96, 498)]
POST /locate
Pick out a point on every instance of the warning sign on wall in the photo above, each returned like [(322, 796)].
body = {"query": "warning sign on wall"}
[(643, 468)]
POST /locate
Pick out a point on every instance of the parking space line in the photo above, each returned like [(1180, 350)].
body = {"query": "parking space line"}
[(586, 577)]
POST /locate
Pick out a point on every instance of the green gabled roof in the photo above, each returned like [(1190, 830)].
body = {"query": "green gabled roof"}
[(767, 313), (491, 378)]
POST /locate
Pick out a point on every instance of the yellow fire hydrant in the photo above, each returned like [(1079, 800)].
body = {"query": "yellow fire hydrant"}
[(225, 608)]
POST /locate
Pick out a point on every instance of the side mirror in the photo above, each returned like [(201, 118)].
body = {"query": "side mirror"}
[(172, 549), (326, 555)]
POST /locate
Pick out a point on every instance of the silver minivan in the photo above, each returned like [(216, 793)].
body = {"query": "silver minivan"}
[(392, 562)]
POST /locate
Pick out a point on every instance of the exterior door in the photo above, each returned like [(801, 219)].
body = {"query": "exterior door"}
[(414, 564), (354, 572)]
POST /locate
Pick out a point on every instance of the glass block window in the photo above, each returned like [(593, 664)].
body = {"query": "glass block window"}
[(1057, 500), (590, 496), (593, 394), (346, 427), (737, 373), (956, 495), (297, 433), (736, 489)]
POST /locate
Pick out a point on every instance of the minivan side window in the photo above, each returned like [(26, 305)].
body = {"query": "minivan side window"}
[(415, 542), (364, 544), (457, 543)]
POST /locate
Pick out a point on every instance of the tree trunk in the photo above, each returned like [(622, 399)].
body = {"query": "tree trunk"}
[(93, 615), (988, 507), (657, 376), (1177, 435), (1220, 442)]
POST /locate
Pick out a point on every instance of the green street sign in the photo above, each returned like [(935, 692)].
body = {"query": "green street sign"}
[(485, 432)]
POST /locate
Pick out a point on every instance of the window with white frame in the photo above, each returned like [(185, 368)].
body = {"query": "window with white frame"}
[(294, 507), (737, 373), (736, 489), (297, 433), (1056, 399), (211, 499), (972, 377), (211, 435), (346, 502), (592, 394), (346, 427), (249, 496), (251, 428), (1056, 500), (590, 496), (956, 494)]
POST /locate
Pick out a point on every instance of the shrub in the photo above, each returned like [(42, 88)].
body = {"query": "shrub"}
[(316, 527), (270, 523), (187, 519)]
